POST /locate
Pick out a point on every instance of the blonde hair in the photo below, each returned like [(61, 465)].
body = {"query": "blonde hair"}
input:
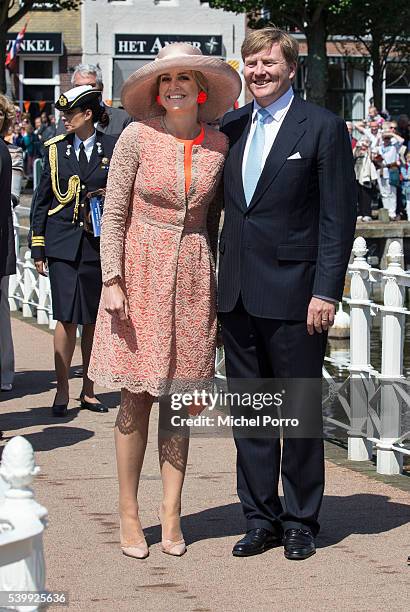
[(258, 40), (8, 109)]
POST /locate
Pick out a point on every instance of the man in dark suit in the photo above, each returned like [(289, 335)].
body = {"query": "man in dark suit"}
[(7, 253), (290, 210), (90, 74)]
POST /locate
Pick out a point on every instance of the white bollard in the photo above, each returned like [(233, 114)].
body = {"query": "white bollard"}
[(43, 297), (341, 326), (393, 328), (22, 522), (29, 284), (359, 448)]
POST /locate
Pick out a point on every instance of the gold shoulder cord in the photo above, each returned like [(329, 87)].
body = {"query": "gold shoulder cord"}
[(73, 190)]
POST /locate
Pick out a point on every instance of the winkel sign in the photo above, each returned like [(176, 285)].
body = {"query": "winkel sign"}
[(38, 43), (133, 45)]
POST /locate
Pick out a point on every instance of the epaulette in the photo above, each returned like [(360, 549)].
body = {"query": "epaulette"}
[(54, 139)]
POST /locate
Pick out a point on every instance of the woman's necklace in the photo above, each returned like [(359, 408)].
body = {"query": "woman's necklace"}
[(199, 129)]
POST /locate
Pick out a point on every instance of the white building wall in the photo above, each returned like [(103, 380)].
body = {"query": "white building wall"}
[(102, 19)]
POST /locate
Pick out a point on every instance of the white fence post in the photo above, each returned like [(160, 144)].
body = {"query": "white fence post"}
[(359, 448), (29, 284), (43, 298), (22, 522), (393, 328)]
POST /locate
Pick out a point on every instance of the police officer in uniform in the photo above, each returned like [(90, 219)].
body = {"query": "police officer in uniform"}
[(65, 242)]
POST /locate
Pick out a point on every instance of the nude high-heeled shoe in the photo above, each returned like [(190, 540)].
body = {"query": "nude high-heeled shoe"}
[(175, 548), (138, 550)]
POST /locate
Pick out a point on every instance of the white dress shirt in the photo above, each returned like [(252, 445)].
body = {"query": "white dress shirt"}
[(88, 145), (277, 111)]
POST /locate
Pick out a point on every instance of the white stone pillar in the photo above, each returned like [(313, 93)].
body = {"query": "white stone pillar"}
[(393, 327), (359, 448)]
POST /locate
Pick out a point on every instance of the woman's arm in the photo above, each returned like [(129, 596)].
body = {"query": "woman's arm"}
[(43, 199), (121, 177)]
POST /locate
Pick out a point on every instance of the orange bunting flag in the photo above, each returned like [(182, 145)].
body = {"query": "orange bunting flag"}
[(26, 105), (41, 104)]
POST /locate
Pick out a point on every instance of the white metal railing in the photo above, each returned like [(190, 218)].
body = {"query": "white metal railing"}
[(373, 402), (376, 403), (28, 290)]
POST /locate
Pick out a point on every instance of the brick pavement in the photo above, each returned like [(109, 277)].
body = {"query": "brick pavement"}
[(362, 547)]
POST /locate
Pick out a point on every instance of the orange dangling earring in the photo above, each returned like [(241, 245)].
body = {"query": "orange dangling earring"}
[(158, 99), (202, 97)]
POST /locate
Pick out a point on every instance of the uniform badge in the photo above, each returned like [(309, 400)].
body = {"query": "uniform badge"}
[(99, 148), (68, 150), (62, 100)]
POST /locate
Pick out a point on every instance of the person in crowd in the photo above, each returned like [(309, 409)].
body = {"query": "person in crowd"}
[(290, 214), (366, 177), (7, 248), (156, 327), (403, 128), (374, 115), (90, 74), (389, 175), (63, 234), (405, 182), (353, 140), (372, 131), (18, 136), (6, 339)]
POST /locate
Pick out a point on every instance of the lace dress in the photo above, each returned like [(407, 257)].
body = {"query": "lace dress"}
[(162, 242)]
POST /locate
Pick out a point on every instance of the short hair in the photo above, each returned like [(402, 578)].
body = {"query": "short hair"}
[(258, 40), (6, 105), (89, 69)]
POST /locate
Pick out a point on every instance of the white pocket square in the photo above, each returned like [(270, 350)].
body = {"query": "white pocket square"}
[(295, 156)]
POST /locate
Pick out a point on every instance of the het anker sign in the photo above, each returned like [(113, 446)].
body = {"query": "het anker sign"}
[(133, 45)]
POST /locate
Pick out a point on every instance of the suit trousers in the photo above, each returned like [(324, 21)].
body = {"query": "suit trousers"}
[(260, 348)]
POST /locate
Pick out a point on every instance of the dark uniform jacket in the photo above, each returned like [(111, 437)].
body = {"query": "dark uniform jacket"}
[(295, 237), (58, 234), (7, 253)]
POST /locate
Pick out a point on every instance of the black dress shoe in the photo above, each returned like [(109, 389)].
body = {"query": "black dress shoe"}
[(299, 544), (255, 542), (92, 406), (59, 410)]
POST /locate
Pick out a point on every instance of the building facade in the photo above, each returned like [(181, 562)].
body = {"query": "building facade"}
[(123, 35), (50, 49)]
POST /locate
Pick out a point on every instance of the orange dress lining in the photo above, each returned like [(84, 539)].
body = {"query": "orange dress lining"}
[(188, 144)]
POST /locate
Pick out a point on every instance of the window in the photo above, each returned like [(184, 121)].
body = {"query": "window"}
[(397, 75), (38, 70)]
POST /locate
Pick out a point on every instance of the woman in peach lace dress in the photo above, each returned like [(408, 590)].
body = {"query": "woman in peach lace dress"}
[(156, 328)]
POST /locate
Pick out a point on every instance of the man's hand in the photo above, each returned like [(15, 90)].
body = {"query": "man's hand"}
[(321, 315), (41, 267), (115, 301)]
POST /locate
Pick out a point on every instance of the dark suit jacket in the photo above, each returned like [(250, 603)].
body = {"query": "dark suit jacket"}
[(7, 252), (294, 239), (119, 119), (62, 236)]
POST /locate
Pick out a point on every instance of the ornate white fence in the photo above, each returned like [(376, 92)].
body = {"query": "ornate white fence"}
[(375, 405), (28, 290)]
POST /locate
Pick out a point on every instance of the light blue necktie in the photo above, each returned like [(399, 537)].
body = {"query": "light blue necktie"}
[(253, 168)]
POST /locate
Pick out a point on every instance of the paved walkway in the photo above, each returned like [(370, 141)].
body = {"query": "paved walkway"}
[(363, 544)]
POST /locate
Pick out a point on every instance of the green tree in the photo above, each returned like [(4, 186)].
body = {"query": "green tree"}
[(381, 30), (308, 16), (11, 11)]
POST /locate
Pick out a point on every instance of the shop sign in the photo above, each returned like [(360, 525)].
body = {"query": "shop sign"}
[(38, 43), (134, 45)]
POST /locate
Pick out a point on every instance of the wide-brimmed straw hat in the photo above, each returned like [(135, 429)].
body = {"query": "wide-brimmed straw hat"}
[(139, 92)]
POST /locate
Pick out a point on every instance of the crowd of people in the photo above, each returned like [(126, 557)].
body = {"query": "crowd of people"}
[(382, 164), (30, 134)]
